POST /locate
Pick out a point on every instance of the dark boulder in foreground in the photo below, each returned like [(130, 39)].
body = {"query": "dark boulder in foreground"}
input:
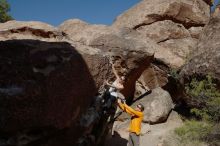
[(49, 87), (44, 87)]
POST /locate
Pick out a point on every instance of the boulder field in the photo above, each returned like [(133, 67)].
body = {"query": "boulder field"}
[(52, 79)]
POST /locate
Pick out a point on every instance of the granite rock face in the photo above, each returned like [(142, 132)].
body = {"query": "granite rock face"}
[(50, 80), (174, 25), (205, 60), (43, 86), (29, 30), (158, 104), (52, 77), (152, 77), (147, 12), (171, 24), (125, 50)]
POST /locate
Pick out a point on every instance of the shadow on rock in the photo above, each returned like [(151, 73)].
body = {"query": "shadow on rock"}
[(116, 140), (42, 84)]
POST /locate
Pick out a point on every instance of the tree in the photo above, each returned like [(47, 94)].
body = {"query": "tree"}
[(4, 9)]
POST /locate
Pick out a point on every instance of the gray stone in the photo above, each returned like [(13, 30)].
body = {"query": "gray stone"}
[(146, 12), (157, 105), (161, 31), (195, 31), (206, 58), (57, 71), (170, 23)]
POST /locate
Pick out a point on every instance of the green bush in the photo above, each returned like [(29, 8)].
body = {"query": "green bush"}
[(206, 95), (174, 73), (193, 131), (4, 9), (207, 113)]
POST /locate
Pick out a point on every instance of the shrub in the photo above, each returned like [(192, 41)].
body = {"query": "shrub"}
[(207, 96), (4, 9), (193, 131), (174, 73)]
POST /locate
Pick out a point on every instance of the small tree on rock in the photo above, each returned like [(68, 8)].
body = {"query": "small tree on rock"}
[(4, 9)]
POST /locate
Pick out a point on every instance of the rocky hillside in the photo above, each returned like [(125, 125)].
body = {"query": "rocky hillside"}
[(207, 55), (49, 80), (174, 26), (52, 78)]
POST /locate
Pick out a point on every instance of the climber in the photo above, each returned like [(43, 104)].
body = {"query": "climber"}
[(115, 92), (117, 85), (135, 124)]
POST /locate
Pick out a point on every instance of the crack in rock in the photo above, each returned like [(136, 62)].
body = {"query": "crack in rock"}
[(155, 18)]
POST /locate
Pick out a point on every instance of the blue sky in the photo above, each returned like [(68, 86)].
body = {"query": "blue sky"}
[(56, 11)]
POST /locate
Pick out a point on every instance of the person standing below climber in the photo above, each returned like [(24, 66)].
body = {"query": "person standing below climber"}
[(136, 120)]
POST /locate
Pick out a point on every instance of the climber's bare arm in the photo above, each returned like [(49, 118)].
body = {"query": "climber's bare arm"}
[(117, 86), (115, 73)]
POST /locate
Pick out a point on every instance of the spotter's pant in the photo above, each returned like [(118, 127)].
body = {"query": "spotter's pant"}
[(134, 139)]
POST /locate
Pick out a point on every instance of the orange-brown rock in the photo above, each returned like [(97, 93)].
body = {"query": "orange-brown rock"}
[(49, 82), (172, 24)]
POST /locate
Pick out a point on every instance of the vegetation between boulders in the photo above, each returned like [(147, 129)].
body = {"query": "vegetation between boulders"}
[(4, 9), (206, 114)]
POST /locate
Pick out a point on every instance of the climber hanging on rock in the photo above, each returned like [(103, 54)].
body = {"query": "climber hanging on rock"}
[(107, 100), (136, 114), (115, 92), (117, 85)]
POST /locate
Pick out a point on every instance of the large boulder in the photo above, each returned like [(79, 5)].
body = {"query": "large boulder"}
[(174, 25), (181, 48), (44, 86), (151, 78), (205, 60), (49, 85), (195, 31), (158, 105), (163, 134), (29, 30), (82, 32), (98, 44), (186, 12), (129, 54), (161, 31), (151, 135)]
